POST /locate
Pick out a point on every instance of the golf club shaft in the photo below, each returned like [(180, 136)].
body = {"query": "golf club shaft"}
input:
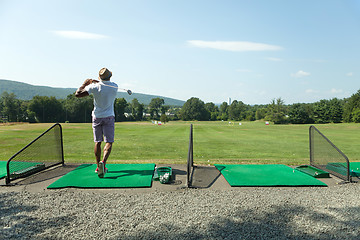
[(123, 89)]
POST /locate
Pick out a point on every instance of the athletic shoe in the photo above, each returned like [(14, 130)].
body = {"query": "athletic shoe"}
[(101, 170), (97, 169)]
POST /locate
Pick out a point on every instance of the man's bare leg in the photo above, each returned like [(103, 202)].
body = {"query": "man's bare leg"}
[(107, 151), (97, 151)]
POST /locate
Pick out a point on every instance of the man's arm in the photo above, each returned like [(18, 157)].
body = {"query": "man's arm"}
[(81, 92)]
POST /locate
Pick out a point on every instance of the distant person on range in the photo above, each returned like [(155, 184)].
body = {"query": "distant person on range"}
[(103, 116)]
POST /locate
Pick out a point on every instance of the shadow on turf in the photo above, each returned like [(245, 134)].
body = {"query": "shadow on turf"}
[(46, 175), (126, 173)]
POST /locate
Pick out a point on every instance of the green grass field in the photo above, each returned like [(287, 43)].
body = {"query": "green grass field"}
[(214, 142)]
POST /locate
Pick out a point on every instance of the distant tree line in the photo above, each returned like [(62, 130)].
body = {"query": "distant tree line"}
[(43, 109), (72, 109), (324, 111)]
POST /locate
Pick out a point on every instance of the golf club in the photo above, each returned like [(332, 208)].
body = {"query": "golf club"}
[(123, 89), (126, 90)]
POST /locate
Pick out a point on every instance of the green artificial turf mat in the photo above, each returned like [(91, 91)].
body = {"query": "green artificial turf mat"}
[(118, 176), (265, 175), (3, 169), (355, 166), (355, 169)]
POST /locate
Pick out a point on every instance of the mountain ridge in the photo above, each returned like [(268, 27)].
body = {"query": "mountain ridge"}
[(25, 91)]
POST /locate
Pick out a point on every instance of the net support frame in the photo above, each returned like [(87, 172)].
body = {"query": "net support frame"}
[(8, 177), (347, 176), (190, 159)]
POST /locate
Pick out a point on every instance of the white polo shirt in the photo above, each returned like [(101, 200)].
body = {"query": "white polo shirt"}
[(104, 96)]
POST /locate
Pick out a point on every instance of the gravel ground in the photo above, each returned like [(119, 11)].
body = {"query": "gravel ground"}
[(241, 213)]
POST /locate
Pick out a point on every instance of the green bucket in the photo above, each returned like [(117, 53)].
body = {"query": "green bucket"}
[(163, 174)]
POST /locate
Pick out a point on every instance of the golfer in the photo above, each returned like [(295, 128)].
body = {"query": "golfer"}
[(103, 116)]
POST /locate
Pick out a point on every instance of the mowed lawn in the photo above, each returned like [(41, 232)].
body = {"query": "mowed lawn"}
[(214, 142)]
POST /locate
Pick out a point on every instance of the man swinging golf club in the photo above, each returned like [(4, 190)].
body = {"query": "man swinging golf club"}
[(103, 116)]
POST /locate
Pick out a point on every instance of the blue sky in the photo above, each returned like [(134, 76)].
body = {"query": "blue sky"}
[(251, 51)]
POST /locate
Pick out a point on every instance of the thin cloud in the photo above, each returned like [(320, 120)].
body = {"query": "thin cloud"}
[(350, 74), (79, 35), (274, 59), (310, 91), (300, 74), (334, 90), (234, 46)]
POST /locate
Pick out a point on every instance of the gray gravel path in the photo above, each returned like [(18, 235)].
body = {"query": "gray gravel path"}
[(241, 213)]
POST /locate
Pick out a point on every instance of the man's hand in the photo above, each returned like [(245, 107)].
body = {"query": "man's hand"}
[(81, 90)]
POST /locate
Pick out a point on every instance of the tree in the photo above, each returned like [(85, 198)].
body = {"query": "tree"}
[(194, 109), (78, 109), (322, 111), (350, 107), (237, 111), (137, 109), (260, 113), (250, 114), (164, 109), (25, 115), (336, 110), (356, 115), (223, 112), (325, 111), (299, 114), (120, 105), (10, 106), (164, 118), (155, 107), (276, 111), (213, 109), (46, 109)]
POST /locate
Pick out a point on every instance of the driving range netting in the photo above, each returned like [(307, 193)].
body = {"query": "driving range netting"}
[(326, 156), (43, 152)]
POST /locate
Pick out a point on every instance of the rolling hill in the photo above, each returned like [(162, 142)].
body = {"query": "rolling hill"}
[(26, 91)]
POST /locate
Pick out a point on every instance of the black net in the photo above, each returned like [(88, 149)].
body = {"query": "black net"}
[(190, 159), (43, 152), (325, 155)]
